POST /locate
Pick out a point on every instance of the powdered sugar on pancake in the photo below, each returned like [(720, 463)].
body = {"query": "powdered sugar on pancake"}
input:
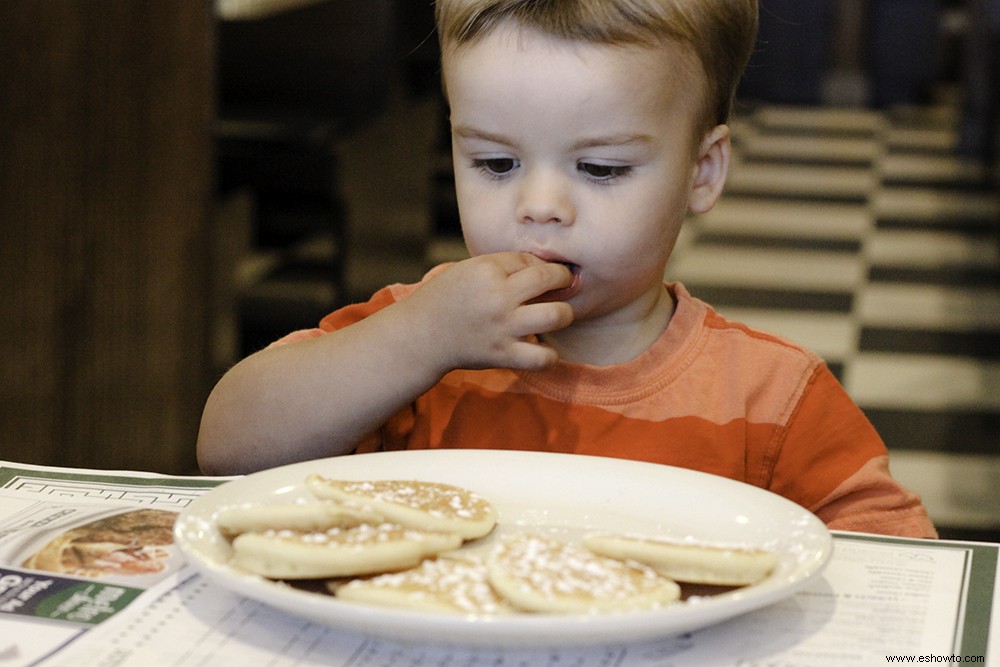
[(544, 575), (425, 505), (446, 584)]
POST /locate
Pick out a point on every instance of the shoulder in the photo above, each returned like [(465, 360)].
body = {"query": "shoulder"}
[(741, 352), (739, 335), (724, 371)]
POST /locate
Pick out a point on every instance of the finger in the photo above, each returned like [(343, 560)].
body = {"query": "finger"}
[(532, 356), (533, 281), (512, 262), (539, 318)]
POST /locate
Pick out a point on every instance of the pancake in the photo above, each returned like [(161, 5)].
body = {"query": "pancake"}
[(303, 517), (337, 552), (417, 504), (538, 574), (447, 584), (688, 562)]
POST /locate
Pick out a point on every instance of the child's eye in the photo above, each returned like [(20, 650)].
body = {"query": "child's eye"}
[(603, 172), (495, 167)]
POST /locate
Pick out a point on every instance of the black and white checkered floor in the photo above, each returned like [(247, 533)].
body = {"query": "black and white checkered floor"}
[(861, 236), (856, 233)]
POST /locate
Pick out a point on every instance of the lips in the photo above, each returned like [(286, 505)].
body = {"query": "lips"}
[(563, 293)]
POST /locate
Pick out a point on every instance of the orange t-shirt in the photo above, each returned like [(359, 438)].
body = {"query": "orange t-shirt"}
[(709, 395)]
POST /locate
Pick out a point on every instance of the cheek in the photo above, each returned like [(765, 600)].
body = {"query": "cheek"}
[(646, 258), (644, 222), (639, 245), (482, 228)]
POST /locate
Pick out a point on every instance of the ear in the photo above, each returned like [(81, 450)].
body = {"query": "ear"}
[(710, 169)]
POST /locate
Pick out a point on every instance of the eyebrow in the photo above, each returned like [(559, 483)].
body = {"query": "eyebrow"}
[(623, 139), (472, 133), (613, 140)]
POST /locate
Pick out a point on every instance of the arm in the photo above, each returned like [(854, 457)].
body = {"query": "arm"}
[(833, 462), (871, 501), (319, 397)]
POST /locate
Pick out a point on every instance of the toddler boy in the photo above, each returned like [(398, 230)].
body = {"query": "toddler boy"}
[(584, 132)]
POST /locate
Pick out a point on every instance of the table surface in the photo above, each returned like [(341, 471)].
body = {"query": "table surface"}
[(878, 597)]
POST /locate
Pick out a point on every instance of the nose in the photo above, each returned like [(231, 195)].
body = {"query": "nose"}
[(544, 197)]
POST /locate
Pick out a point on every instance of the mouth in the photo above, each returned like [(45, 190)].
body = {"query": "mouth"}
[(553, 258), (573, 268), (563, 293)]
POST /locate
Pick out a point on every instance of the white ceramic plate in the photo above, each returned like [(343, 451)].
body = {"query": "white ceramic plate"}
[(560, 494)]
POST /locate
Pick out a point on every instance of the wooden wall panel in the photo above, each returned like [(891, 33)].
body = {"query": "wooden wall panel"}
[(105, 195)]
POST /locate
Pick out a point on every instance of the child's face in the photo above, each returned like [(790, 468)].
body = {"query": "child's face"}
[(578, 153)]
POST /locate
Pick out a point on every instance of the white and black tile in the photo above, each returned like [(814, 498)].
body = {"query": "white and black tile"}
[(860, 235)]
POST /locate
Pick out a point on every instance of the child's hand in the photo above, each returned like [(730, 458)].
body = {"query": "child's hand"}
[(322, 396), (479, 311)]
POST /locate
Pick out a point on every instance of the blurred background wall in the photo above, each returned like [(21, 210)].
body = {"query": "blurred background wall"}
[(181, 182), (105, 190)]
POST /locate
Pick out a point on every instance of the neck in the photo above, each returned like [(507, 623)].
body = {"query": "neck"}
[(613, 339)]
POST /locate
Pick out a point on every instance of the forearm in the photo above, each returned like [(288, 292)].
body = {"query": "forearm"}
[(317, 397), (321, 397)]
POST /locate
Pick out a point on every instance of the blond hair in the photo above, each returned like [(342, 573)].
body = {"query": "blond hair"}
[(721, 33)]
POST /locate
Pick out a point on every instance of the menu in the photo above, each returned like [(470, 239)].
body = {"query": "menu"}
[(90, 576)]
